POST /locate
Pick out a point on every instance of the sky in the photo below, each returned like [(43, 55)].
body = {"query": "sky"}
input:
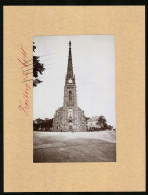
[(93, 58)]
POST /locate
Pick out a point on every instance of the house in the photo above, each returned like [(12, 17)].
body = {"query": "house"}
[(92, 122)]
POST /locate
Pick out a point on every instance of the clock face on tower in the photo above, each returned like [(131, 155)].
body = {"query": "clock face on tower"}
[(69, 81)]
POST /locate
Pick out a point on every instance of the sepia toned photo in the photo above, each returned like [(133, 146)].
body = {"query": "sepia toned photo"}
[(74, 99)]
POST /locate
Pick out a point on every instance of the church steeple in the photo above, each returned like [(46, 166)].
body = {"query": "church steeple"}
[(70, 67), (70, 94)]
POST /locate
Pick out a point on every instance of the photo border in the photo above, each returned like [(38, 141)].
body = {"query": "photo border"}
[(69, 3)]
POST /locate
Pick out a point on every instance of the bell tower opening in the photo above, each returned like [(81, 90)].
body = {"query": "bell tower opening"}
[(70, 96)]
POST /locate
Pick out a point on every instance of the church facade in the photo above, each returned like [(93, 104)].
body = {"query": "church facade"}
[(69, 117)]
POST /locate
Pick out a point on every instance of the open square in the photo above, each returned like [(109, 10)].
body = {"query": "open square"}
[(75, 147)]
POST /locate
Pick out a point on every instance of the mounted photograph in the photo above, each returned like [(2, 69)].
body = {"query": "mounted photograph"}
[(74, 118)]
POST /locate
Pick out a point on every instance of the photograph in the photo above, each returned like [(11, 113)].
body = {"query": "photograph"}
[(74, 118)]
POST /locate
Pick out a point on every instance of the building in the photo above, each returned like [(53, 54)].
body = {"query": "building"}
[(98, 123), (92, 122), (69, 117)]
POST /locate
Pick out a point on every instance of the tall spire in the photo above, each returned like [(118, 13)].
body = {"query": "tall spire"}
[(70, 67)]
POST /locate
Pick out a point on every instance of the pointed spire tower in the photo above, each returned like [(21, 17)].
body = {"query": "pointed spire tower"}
[(70, 67), (70, 97), (70, 75)]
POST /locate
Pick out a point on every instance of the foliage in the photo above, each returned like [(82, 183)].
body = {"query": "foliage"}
[(96, 129), (42, 125), (102, 122), (38, 68), (34, 47), (36, 82)]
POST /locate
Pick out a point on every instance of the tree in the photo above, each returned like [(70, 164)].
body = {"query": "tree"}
[(43, 125), (38, 68), (102, 122)]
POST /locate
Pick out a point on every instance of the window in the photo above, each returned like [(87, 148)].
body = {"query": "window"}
[(70, 95), (70, 113)]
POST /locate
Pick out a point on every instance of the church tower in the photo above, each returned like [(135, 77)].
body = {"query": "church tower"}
[(70, 94), (69, 117)]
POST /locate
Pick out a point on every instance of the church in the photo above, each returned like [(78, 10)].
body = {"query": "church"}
[(69, 117)]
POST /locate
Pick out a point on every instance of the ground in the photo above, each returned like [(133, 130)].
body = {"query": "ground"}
[(74, 147)]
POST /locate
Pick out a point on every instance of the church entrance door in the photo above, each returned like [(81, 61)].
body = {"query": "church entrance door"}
[(70, 125)]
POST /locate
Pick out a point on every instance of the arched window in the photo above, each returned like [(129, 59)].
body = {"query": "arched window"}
[(70, 95), (70, 113)]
